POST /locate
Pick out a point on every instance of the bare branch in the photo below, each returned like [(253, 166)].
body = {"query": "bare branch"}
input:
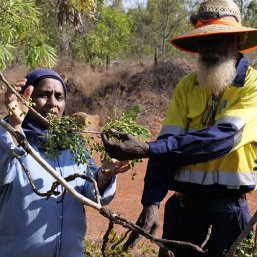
[(106, 238), (160, 242), (33, 187), (27, 147), (207, 237), (121, 240), (113, 217)]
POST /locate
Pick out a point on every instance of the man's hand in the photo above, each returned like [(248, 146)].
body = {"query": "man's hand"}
[(16, 108), (149, 220), (128, 149)]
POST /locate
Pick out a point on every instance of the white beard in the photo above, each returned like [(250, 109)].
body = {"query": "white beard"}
[(217, 73)]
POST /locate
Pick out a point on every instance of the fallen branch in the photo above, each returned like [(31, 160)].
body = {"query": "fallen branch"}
[(113, 217), (27, 147)]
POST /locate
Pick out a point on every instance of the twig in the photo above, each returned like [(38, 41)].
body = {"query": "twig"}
[(207, 237), (106, 238), (242, 236), (121, 240), (91, 132), (22, 99), (83, 176), (33, 187)]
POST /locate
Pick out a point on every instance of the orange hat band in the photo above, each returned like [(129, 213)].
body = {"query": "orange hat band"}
[(201, 23)]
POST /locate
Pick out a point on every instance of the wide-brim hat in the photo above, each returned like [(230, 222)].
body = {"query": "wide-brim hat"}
[(217, 17)]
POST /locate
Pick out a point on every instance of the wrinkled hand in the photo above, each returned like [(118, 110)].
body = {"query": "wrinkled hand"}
[(128, 149), (149, 220), (15, 106)]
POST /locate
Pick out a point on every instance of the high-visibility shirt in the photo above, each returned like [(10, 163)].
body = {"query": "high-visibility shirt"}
[(195, 154)]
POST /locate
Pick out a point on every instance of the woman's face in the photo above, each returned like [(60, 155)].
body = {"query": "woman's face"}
[(49, 97)]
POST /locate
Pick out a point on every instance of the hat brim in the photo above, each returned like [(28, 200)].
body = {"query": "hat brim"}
[(247, 37)]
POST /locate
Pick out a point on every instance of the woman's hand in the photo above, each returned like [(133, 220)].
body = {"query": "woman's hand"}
[(14, 105), (114, 167), (108, 170)]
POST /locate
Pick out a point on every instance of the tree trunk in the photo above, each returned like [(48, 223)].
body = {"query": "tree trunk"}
[(156, 56)]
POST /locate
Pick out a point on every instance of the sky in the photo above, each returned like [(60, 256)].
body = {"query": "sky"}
[(133, 3), (130, 3)]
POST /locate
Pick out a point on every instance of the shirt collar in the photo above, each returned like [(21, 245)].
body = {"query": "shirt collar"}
[(241, 70)]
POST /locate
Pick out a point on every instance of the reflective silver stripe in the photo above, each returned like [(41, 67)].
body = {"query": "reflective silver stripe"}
[(231, 179), (238, 122), (192, 130), (174, 130)]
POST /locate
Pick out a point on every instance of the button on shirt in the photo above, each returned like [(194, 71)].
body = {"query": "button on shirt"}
[(31, 225)]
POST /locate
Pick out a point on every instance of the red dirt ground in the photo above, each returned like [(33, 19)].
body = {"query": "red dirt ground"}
[(127, 203)]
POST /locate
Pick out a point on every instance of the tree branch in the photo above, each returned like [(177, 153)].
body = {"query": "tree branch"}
[(113, 217), (22, 99), (27, 147)]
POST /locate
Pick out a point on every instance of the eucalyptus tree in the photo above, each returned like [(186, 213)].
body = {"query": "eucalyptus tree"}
[(169, 18), (104, 38)]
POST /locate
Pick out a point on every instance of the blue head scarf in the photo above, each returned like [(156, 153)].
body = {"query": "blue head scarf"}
[(35, 76), (33, 130)]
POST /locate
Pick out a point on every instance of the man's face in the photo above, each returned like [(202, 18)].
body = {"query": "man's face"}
[(216, 66), (49, 97), (213, 48)]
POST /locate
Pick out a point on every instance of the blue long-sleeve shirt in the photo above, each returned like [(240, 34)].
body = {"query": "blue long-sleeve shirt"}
[(31, 225), (185, 142)]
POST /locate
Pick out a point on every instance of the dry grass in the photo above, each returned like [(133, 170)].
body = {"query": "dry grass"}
[(109, 92)]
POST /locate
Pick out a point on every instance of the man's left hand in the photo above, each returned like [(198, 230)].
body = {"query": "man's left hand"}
[(127, 149)]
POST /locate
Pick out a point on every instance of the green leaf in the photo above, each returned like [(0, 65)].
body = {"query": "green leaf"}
[(134, 112)]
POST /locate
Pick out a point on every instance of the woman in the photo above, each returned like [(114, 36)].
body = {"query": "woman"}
[(31, 225)]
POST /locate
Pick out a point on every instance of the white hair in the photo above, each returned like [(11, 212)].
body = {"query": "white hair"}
[(216, 72)]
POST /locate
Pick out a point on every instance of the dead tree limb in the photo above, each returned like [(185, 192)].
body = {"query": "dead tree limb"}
[(27, 147), (31, 181), (113, 217), (106, 237)]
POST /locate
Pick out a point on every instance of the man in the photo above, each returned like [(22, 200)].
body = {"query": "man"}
[(207, 146), (31, 226)]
